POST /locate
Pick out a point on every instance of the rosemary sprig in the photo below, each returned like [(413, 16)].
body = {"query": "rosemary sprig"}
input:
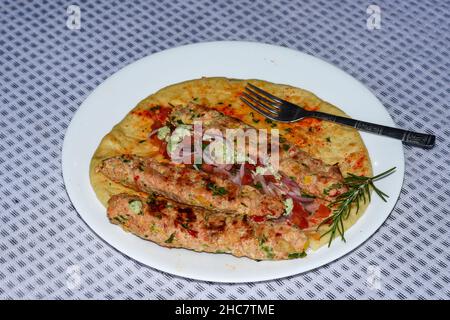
[(359, 188)]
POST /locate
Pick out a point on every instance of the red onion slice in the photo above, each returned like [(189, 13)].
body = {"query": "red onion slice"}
[(241, 172), (290, 184), (311, 206), (277, 188), (236, 179), (298, 197)]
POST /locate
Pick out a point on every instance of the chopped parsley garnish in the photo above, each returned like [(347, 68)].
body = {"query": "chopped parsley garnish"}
[(153, 228), (258, 185), (269, 121), (155, 108), (170, 239), (288, 130), (151, 199), (121, 219), (124, 159), (185, 225), (286, 147), (328, 139), (268, 251), (216, 190), (296, 255), (255, 120), (307, 195), (326, 191), (262, 240)]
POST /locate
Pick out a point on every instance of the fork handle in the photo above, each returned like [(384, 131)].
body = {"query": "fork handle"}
[(409, 137)]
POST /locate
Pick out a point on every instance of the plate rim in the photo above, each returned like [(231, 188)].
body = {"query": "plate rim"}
[(84, 105)]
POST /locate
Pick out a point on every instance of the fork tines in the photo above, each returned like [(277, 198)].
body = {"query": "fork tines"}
[(262, 101)]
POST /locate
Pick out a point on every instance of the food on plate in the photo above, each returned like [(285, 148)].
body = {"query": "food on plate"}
[(301, 196), (312, 175), (171, 224), (359, 191), (189, 186)]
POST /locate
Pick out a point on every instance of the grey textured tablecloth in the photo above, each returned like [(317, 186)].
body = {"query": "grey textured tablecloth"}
[(47, 70)]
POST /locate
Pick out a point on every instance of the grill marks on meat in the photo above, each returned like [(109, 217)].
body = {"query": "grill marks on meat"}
[(189, 186), (160, 221)]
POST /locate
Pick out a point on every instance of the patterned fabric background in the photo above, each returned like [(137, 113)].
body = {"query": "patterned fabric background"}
[(47, 70)]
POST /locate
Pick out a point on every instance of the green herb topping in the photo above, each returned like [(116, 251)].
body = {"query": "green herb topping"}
[(359, 188), (216, 190), (326, 191), (170, 239), (296, 255)]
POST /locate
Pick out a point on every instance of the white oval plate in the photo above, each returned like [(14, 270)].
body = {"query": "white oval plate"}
[(115, 97)]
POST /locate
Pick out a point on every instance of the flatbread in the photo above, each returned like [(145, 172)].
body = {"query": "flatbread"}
[(327, 141)]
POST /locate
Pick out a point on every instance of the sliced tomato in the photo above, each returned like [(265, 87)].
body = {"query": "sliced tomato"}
[(299, 216), (258, 218), (322, 212), (161, 114), (161, 144), (249, 166), (270, 178), (247, 178), (156, 125)]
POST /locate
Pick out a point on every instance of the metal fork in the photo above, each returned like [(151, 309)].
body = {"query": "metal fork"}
[(281, 110)]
